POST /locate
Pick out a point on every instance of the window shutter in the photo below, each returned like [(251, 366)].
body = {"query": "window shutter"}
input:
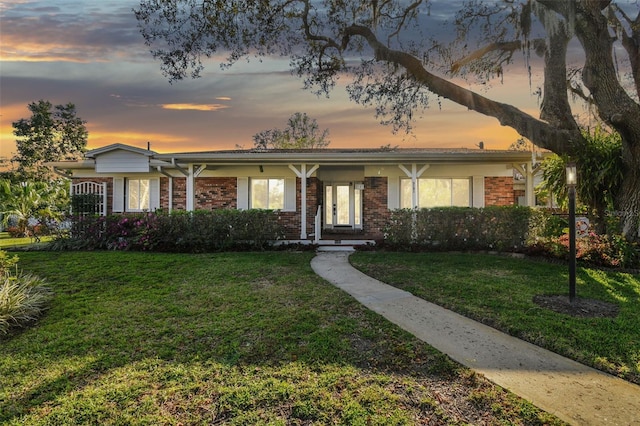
[(478, 191), (118, 195), (393, 194), (154, 194), (243, 193), (290, 194)]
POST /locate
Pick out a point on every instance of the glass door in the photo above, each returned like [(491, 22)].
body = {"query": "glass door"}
[(343, 206)]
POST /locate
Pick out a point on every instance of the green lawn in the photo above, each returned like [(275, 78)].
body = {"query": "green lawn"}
[(7, 242), (232, 338), (499, 291)]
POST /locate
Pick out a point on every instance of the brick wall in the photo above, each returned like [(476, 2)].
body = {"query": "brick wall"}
[(216, 193), (498, 191), (375, 211)]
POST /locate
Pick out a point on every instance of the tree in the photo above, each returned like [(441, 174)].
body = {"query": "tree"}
[(301, 132), (600, 174), (51, 134), (26, 201), (400, 66)]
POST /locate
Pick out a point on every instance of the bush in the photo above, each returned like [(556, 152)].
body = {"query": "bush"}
[(22, 299), (600, 250), (460, 228), (516, 229), (197, 231)]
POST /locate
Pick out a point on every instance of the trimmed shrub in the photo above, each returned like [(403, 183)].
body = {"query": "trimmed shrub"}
[(460, 228), (22, 299), (539, 232), (198, 231)]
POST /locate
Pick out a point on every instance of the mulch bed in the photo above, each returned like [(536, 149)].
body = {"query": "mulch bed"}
[(585, 308)]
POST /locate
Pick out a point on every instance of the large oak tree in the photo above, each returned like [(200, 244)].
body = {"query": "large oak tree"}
[(396, 59)]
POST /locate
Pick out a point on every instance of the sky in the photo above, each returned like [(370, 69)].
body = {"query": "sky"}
[(90, 53)]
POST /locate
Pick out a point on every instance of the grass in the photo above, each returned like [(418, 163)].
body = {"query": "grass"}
[(7, 241), (231, 338), (498, 291)]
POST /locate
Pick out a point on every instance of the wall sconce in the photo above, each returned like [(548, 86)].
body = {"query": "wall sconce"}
[(261, 169)]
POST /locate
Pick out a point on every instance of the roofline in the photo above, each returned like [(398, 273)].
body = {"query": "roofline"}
[(113, 147), (349, 157)]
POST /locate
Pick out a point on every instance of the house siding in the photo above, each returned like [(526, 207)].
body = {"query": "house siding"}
[(498, 191)]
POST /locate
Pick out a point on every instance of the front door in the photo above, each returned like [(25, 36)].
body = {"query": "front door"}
[(343, 205)]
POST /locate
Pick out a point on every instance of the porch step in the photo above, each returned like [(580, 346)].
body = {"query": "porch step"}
[(336, 248), (345, 242)]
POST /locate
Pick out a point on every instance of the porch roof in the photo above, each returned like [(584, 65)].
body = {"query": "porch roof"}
[(349, 156)]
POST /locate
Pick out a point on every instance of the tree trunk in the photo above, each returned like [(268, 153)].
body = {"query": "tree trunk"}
[(628, 199)]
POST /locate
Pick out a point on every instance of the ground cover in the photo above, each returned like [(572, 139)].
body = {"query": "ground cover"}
[(229, 338), (518, 296)]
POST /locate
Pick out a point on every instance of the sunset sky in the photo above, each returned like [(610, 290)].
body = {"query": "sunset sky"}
[(90, 53)]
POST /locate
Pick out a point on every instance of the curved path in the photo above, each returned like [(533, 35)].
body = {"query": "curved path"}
[(573, 392)]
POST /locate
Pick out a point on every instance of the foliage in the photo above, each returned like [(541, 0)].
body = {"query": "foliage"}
[(23, 297), (198, 231), (36, 207), (509, 229), (397, 62), (82, 204), (50, 134), (460, 228), (227, 338), (7, 263), (301, 132), (601, 250), (499, 291), (600, 174)]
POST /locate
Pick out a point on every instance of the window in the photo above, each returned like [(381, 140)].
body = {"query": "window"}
[(437, 192), (267, 194), (138, 194)]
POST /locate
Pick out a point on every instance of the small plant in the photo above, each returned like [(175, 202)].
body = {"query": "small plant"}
[(7, 263), (23, 297)]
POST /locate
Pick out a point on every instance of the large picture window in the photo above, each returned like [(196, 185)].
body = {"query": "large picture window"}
[(138, 194), (437, 192), (267, 194)]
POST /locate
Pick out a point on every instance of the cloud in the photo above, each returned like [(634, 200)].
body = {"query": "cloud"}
[(195, 107), (73, 32)]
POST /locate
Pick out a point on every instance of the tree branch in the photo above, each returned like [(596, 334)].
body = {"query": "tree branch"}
[(539, 132)]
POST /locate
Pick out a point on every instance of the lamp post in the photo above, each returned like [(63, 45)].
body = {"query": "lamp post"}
[(572, 180)]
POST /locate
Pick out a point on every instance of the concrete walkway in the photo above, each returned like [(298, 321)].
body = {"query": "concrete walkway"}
[(576, 394)]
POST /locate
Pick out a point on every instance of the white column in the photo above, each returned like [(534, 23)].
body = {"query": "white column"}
[(190, 189), (303, 201)]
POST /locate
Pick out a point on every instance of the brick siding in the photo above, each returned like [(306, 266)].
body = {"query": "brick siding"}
[(375, 210), (498, 191)]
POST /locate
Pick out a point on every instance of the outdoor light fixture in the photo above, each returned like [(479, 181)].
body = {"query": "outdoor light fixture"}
[(572, 174), (572, 180)]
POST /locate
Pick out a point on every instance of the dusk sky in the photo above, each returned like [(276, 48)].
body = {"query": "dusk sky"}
[(91, 53)]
